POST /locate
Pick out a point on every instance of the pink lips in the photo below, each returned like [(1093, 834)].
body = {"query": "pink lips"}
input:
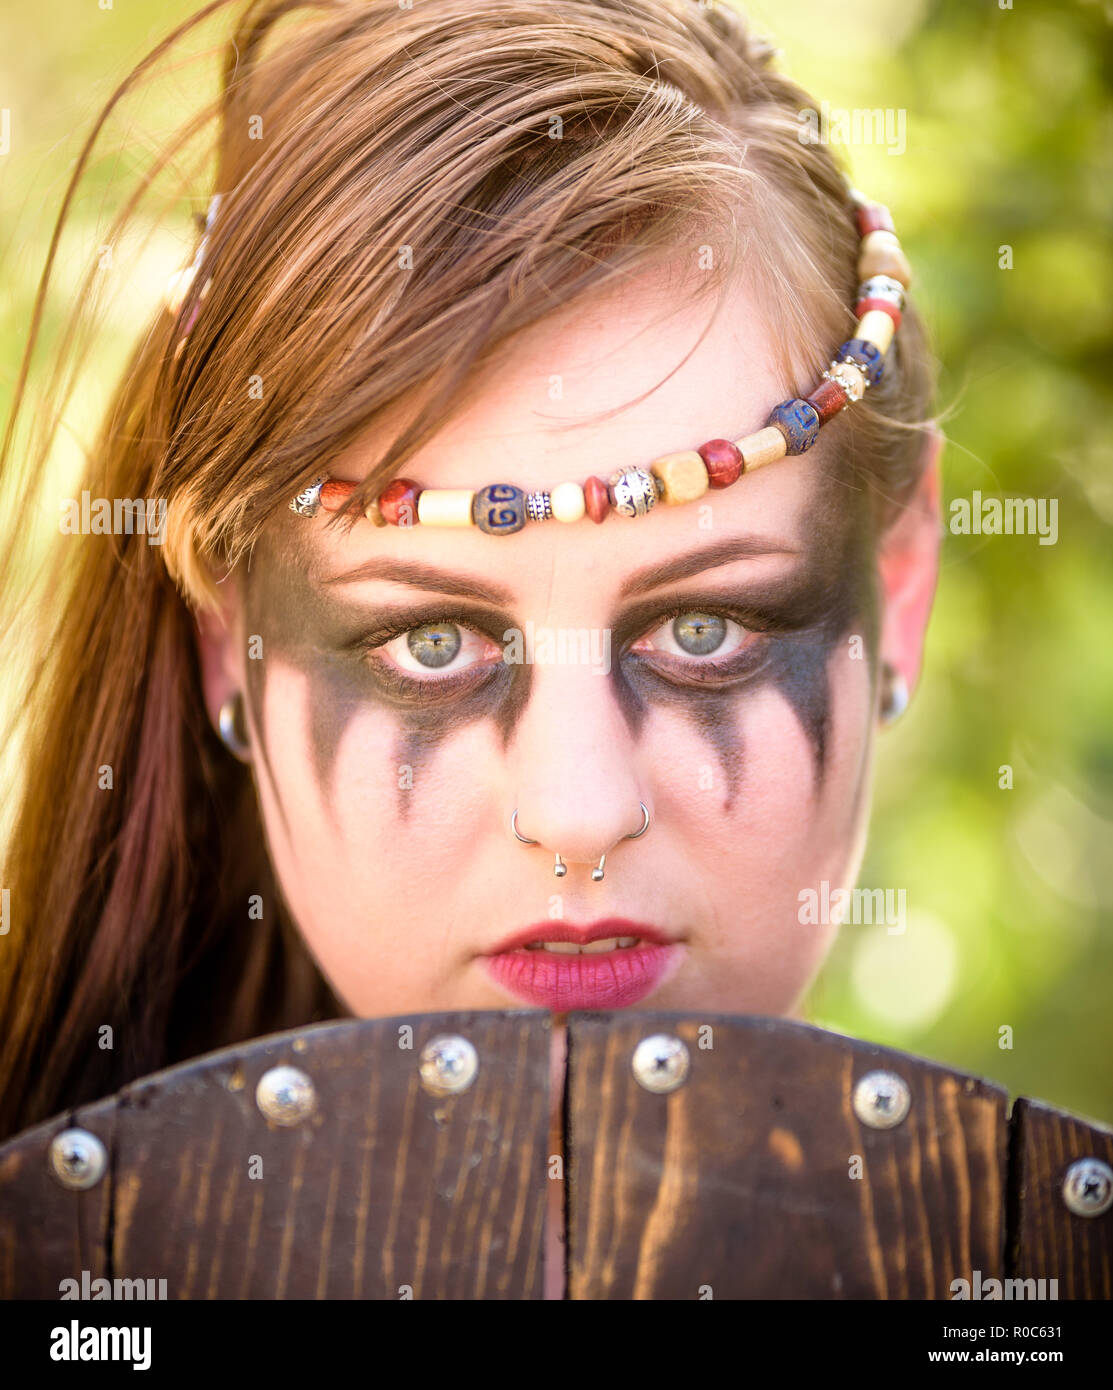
[(612, 980)]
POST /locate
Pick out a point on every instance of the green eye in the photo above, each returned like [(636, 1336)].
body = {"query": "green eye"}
[(699, 634), (434, 644)]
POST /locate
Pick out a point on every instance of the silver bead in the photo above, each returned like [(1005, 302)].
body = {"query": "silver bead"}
[(539, 506), (634, 491), (449, 1065), (850, 377), (308, 502), (77, 1159), (882, 287), (881, 1099), (285, 1095), (1088, 1187), (661, 1063)]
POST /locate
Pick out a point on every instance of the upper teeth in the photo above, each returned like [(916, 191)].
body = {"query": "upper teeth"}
[(593, 948)]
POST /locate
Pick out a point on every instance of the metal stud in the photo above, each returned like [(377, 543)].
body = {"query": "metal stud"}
[(449, 1065), (883, 287), (1088, 1187), (285, 1095), (539, 506), (881, 1099), (77, 1159), (633, 491), (661, 1063), (308, 501)]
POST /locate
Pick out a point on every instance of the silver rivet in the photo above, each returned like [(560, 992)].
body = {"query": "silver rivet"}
[(449, 1064), (285, 1095), (1088, 1187), (881, 1099), (661, 1063), (77, 1158)]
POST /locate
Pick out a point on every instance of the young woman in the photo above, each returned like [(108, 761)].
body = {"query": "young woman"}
[(454, 730)]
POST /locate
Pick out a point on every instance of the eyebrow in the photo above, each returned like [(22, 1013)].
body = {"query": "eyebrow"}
[(708, 557), (422, 576)]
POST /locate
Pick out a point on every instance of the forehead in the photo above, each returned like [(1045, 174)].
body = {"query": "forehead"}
[(614, 381)]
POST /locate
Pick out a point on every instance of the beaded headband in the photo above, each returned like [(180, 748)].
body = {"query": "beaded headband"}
[(501, 509)]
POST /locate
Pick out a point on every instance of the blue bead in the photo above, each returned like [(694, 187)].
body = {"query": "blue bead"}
[(867, 355), (798, 421), (500, 509)]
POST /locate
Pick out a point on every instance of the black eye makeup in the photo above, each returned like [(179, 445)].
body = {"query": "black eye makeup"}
[(433, 651), (710, 640)]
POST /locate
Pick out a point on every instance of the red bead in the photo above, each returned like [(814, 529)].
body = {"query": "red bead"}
[(334, 494), (828, 398), (398, 502), (865, 305), (596, 499), (874, 217), (723, 461)]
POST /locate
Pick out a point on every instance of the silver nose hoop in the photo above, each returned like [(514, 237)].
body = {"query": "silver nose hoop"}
[(560, 868)]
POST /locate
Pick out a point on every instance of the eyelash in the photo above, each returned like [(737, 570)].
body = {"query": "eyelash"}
[(405, 685)]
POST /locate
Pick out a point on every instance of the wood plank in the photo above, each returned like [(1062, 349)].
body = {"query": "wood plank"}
[(1047, 1240), (49, 1233), (737, 1185), (385, 1189)]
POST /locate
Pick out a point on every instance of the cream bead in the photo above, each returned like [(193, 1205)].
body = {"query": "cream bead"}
[(850, 377), (445, 506), (683, 476), (881, 254), (567, 501), (876, 327), (766, 446)]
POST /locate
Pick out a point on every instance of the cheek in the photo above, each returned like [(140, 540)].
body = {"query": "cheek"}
[(366, 886), (786, 830), (340, 781), (748, 856)]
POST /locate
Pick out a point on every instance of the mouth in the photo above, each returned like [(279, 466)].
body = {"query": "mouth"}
[(610, 964)]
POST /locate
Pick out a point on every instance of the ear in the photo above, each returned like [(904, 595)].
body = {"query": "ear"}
[(220, 650), (908, 566)]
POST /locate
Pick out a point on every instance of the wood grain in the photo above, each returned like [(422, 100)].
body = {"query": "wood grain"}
[(49, 1233), (1049, 1241), (386, 1192), (754, 1179), (738, 1184)]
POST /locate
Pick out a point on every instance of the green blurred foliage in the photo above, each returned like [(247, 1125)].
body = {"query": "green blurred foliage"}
[(1009, 129), (1009, 138)]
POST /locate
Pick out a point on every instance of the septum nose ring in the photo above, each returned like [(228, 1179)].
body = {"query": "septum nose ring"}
[(560, 868)]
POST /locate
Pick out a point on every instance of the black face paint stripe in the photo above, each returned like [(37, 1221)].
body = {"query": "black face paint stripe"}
[(255, 683)]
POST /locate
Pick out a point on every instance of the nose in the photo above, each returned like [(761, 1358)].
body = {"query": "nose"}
[(575, 759)]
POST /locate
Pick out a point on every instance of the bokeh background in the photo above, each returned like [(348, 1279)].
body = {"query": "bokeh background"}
[(1008, 143)]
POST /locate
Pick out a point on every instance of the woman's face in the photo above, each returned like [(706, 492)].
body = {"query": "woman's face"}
[(714, 661)]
